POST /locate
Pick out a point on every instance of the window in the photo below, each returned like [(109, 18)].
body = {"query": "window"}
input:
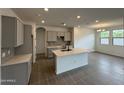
[(118, 37), (104, 37)]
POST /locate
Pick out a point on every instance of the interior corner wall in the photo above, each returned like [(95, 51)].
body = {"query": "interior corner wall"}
[(84, 37), (34, 42)]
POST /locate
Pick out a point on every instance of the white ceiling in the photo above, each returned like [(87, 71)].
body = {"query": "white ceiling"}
[(56, 16)]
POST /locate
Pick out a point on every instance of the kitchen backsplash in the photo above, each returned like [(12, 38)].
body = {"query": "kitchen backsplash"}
[(6, 54)]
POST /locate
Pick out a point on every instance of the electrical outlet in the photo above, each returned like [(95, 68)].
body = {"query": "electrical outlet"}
[(3, 54)]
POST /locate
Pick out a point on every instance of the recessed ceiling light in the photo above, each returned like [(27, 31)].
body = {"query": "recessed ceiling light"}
[(97, 21), (78, 17), (64, 24), (46, 9), (43, 21)]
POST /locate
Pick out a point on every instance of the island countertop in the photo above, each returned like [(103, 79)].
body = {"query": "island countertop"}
[(60, 53)]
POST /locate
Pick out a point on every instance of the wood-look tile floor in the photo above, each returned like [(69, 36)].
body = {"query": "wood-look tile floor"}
[(102, 70)]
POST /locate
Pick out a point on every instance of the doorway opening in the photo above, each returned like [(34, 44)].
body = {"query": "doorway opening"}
[(40, 41)]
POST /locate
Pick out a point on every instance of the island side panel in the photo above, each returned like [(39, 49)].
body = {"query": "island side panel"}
[(66, 63)]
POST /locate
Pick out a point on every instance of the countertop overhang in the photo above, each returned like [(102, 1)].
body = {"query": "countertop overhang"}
[(54, 46), (18, 59), (60, 53)]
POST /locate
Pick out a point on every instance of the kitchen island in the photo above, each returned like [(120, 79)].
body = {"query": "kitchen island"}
[(68, 60)]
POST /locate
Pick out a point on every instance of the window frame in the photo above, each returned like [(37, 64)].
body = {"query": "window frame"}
[(105, 38), (117, 37)]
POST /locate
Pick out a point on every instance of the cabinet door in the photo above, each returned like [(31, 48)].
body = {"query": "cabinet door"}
[(8, 31), (22, 33), (29, 71), (17, 74), (54, 36), (67, 36), (51, 36), (60, 33), (19, 33)]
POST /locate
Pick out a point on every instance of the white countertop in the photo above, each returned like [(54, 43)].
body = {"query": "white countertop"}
[(60, 53), (18, 59), (59, 46)]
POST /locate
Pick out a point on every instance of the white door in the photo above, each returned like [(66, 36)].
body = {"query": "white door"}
[(40, 42)]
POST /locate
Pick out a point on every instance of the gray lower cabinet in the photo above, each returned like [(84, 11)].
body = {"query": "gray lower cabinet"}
[(49, 52), (17, 74)]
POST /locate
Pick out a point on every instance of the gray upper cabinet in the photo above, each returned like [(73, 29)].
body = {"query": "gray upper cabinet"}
[(8, 26), (12, 32)]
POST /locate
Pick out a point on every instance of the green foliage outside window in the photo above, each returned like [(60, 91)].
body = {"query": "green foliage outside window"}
[(118, 33), (104, 34)]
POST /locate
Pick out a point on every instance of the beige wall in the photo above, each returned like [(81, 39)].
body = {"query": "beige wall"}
[(84, 38)]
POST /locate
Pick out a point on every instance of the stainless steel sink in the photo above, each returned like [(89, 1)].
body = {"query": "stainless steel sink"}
[(66, 50)]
